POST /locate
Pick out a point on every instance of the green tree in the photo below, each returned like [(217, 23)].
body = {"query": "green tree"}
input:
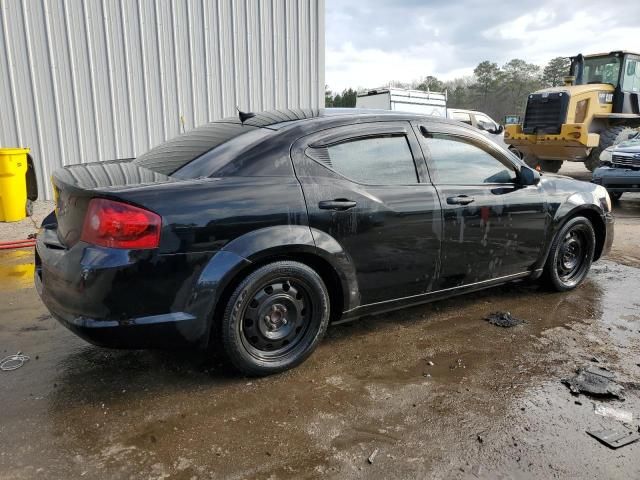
[(486, 74), (328, 97), (555, 71), (347, 99), (517, 79), (431, 83)]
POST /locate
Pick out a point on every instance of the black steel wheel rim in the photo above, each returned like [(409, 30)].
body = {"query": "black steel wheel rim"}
[(277, 318), (572, 255)]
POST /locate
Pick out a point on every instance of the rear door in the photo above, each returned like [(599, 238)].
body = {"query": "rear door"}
[(493, 226), (367, 187)]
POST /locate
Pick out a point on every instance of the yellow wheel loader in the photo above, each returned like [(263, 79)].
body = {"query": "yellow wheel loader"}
[(599, 106)]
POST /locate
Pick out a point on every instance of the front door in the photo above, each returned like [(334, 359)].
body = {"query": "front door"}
[(367, 187), (493, 226)]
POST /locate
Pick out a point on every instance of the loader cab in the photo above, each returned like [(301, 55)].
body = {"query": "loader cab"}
[(619, 69)]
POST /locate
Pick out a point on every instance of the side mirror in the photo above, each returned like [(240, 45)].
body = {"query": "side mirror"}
[(498, 129), (529, 176)]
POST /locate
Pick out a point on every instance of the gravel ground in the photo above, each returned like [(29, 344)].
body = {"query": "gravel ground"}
[(21, 230)]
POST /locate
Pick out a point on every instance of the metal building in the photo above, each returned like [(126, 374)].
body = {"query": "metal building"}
[(92, 80)]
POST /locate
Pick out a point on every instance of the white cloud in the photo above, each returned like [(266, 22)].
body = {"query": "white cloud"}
[(373, 67), (370, 42)]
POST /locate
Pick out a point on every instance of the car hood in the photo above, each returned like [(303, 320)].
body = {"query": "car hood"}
[(561, 184), (628, 146)]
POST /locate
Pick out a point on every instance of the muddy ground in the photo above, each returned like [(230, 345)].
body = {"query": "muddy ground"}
[(491, 405)]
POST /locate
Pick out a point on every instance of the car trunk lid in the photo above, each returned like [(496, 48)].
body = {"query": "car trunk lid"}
[(74, 186)]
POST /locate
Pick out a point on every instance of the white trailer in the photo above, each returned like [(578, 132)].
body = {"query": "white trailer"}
[(404, 100)]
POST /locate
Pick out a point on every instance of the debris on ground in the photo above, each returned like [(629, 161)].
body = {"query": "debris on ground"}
[(615, 438), (595, 381), (615, 413), (13, 362), (503, 319), (372, 457)]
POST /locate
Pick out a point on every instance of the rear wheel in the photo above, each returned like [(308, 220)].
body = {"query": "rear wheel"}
[(609, 137), (571, 255), (275, 318), (552, 166)]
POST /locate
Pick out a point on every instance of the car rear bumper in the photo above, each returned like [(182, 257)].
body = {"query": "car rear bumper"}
[(170, 330), (119, 298), (617, 179)]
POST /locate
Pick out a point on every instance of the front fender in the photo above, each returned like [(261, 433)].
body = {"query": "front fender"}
[(580, 203)]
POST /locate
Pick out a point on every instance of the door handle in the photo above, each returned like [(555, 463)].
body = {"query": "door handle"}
[(460, 200), (337, 204)]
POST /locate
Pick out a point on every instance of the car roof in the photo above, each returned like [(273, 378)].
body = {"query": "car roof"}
[(289, 118)]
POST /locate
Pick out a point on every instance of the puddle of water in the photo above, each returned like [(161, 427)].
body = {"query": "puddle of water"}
[(16, 269)]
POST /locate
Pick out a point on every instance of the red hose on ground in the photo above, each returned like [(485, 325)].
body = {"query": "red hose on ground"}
[(26, 243)]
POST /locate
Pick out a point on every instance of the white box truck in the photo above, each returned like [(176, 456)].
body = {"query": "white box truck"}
[(404, 100)]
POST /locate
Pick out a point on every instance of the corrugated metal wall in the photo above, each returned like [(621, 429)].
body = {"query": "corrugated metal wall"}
[(87, 80)]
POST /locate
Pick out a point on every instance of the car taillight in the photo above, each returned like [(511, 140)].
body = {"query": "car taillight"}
[(118, 225)]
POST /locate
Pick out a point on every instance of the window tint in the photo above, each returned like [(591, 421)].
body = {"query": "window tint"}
[(458, 162), (461, 117), (374, 161)]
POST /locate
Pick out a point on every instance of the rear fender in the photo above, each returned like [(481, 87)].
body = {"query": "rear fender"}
[(258, 246)]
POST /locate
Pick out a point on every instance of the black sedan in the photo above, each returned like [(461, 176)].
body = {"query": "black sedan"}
[(253, 234)]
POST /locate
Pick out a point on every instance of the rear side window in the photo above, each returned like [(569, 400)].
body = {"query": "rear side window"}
[(459, 162), (174, 154), (374, 161)]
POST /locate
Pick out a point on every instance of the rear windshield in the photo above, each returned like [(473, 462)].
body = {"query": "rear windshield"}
[(174, 154)]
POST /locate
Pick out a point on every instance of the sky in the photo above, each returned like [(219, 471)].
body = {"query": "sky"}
[(372, 42)]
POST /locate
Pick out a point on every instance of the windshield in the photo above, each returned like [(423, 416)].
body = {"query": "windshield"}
[(602, 70)]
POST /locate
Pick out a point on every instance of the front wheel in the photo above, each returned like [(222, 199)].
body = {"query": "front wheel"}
[(571, 255), (615, 196), (551, 166), (275, 318)]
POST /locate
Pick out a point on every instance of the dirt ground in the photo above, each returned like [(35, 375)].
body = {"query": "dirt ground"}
[(435, 390)]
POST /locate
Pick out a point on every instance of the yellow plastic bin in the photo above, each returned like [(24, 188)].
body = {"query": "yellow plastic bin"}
[(13, 184)]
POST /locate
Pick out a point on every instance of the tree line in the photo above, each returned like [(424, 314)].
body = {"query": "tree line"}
[(495, 90)]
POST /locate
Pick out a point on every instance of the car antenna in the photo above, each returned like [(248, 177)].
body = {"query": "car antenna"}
[(244, 116)]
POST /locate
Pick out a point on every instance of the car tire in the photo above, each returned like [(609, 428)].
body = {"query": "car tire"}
[(615, 196), (551, 166), (531, 160), (275, 318), (571, 255), (516, 152)]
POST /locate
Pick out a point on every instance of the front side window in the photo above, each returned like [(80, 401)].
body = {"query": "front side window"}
[(460, 162), (602, 70), (375, 161)]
